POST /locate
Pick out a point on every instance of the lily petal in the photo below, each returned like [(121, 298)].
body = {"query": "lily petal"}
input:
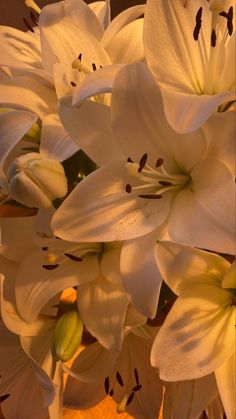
[(93, 364), (136, 356), (38, 98), (65, 27), (188, 112), (206, 207), (80, 395), (100, 81), (55, 142), (33, 292), (140, 276), (140, 125), (183, 265), (221, 146), (17, 237), (225, 377), (102, 10), (79, 217), (120, 21), (90, 127), (19, 380), (198, 334), (22, 47), (11, 317), (127, 45), (13, 126), (171, 51), (102, 306), (189, 398)]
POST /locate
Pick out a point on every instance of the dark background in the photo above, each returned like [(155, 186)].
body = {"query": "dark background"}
[(12, 11)]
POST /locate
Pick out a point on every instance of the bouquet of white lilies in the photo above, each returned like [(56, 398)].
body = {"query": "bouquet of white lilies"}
[(117, 267)]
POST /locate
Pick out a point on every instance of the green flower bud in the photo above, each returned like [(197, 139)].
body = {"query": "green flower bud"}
[(67, 336)]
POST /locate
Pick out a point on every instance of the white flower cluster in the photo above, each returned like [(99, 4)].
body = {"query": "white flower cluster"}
[(117, 163)]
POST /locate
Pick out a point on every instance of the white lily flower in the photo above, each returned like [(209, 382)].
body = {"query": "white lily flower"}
[(191, 52), (167, 177), (198, 336), (126, 376), (102, 302), (94, 268)]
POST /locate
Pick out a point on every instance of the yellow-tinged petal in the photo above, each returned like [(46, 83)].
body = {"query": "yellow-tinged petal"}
[(229, 280)]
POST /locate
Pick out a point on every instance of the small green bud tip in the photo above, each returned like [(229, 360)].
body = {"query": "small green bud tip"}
[(67, 336)]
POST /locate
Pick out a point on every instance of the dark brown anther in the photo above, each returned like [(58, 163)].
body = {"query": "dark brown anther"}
[(165, 183), (142, 162), (94, 66), (27, 24), (100, 66), (136, 376), (229, 17), (107, 385), (119, 379), (4, 397), (213, 38), (137, 388), (128, 188), (80, 56), (73, 257), (129, 160), (159, 162), (33, 18), (130, 398), (111, 392), (198, 25), (45, 248), (73, 84), (50, 267), (150, 196)]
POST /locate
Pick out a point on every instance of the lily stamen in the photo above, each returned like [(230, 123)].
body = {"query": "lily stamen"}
[(31, 4), (56, 257), (217, 40), (156, 180)]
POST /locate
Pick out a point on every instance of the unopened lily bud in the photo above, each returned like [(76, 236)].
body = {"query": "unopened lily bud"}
[(67, 336), (36, 181)]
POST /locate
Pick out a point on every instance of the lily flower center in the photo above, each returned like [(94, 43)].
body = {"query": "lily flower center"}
[(130, 388), (154, 181), (54, 257), (76, 252), (213, 55), (84, 72)]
